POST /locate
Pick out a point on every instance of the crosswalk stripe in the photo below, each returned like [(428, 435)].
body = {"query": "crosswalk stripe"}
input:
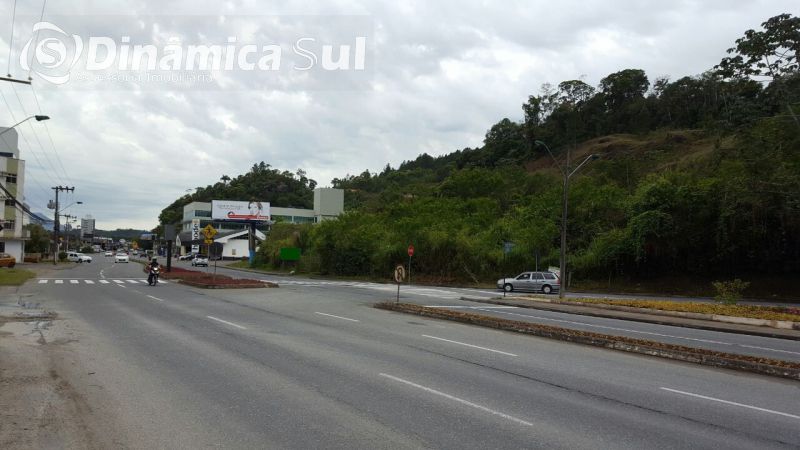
[(104, 281), (73, 281), (88, 281), (59, 281), (119, 281), (132, 281), (43, 281)]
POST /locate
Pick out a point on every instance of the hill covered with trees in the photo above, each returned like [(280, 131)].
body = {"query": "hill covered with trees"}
[(698, 176)]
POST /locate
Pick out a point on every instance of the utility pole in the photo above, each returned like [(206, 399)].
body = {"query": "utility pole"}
[(57, 224)]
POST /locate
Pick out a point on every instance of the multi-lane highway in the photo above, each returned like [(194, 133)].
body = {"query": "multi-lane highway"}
[(313, 365)]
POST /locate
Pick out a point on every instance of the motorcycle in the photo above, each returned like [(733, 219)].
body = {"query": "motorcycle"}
[(152, 278)]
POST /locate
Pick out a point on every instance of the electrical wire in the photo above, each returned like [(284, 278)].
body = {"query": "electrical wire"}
[(36, 39), (11, 41), (36, 135), (50, 136)]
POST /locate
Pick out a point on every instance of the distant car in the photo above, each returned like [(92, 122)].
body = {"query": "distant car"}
[(186, 257), (78, 257), (545, 282), (7, 260), (109, 253), (200, 260), (121, 258)]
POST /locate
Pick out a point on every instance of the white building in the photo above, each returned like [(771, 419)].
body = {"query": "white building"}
[(12, 178), (87, 228), (328, 204)]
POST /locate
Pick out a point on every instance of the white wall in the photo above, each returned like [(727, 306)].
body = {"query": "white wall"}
[(14, 248), (235, 248)]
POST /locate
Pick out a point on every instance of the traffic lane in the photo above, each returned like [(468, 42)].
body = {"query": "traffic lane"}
[(712, 340), (443, 391), (461, 347)]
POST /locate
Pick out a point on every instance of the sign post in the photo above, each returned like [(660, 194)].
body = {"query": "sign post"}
[(399, 276), (209, 232), (410, 254), (507, 248)]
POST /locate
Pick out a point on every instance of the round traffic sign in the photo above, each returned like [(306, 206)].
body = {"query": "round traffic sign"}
[(411, 250), (399, 273)]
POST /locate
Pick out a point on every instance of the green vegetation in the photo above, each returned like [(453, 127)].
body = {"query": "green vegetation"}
[(750, 311), (15, 277), (698, 177), (729, 292)]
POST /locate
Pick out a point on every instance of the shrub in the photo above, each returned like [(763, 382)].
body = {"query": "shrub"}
[(62, 256), (729, 292)]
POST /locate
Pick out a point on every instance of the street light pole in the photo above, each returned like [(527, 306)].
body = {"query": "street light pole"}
[(37, 117), (565, 172)]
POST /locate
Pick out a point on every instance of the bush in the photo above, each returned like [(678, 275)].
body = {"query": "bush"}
[(62, 256), (729, 292)]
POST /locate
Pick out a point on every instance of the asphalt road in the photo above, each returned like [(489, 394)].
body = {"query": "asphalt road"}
[(449, 298), (315, 366)]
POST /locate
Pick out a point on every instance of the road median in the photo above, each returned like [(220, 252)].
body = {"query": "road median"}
[(753, 364)]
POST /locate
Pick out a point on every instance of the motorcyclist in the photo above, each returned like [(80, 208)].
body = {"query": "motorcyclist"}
[(150, 270)]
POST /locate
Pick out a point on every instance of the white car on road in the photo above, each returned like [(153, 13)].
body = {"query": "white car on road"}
[(109, 253), (78, 257), (121, 258)]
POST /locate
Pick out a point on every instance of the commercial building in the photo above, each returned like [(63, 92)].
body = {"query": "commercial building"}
[(12, 178), (232, 236)]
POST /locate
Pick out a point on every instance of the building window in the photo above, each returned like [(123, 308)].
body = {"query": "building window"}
[(11, 179), (2, 247), (10, 202), (9, 225)]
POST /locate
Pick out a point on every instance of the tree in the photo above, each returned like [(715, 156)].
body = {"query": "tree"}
[(39, 240), (770, 54)]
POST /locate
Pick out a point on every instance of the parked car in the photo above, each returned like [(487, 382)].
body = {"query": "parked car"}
[(109, 253), (121, 258), (78, 257), (200, 260), (7, 260), (186, 257), (546, 282)]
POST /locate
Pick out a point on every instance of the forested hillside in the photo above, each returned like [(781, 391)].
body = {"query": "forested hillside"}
[(696, 176)]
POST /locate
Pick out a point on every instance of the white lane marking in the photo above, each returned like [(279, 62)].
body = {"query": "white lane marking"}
[(104, 281), (121, 285), (469, 345), (338, 317), (101, 274), (133, 281), (59, 281), (471, 307), (43, 281), (88, 281), (456, 399), (731, 403), (155, 298), (769, 349), (73, 281), (226, 322), (118, 281), (650, 333)]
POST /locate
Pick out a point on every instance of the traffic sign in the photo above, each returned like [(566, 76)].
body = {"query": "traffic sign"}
[(399, 273), (411, 250), (208, 241), (209, 231)]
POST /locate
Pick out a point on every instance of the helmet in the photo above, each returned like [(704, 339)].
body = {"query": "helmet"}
[(154, 259)]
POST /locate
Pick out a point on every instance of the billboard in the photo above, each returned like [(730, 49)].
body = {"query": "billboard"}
[(240, 211), (195, 235)]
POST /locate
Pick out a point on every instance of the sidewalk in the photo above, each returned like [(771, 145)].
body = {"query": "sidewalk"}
[(659, 319)]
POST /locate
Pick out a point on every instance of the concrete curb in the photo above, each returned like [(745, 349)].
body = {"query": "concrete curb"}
[(780, 324), (762, 366), (658, 319)]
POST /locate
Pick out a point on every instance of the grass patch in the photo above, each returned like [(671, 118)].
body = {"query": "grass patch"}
[(750, 311), (15, 277)]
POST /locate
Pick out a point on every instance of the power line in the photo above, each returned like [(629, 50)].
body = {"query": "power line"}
[(36, 135), (23, 138), (50, 136), (36, 39), (11, 41)]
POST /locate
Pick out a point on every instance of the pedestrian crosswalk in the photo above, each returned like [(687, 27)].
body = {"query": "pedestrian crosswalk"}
[(95, 282)]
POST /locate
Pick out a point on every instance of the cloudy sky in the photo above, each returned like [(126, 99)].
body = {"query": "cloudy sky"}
[(437, 75)]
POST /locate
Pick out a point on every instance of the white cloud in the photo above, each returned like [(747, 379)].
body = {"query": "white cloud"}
[(444, 72)]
